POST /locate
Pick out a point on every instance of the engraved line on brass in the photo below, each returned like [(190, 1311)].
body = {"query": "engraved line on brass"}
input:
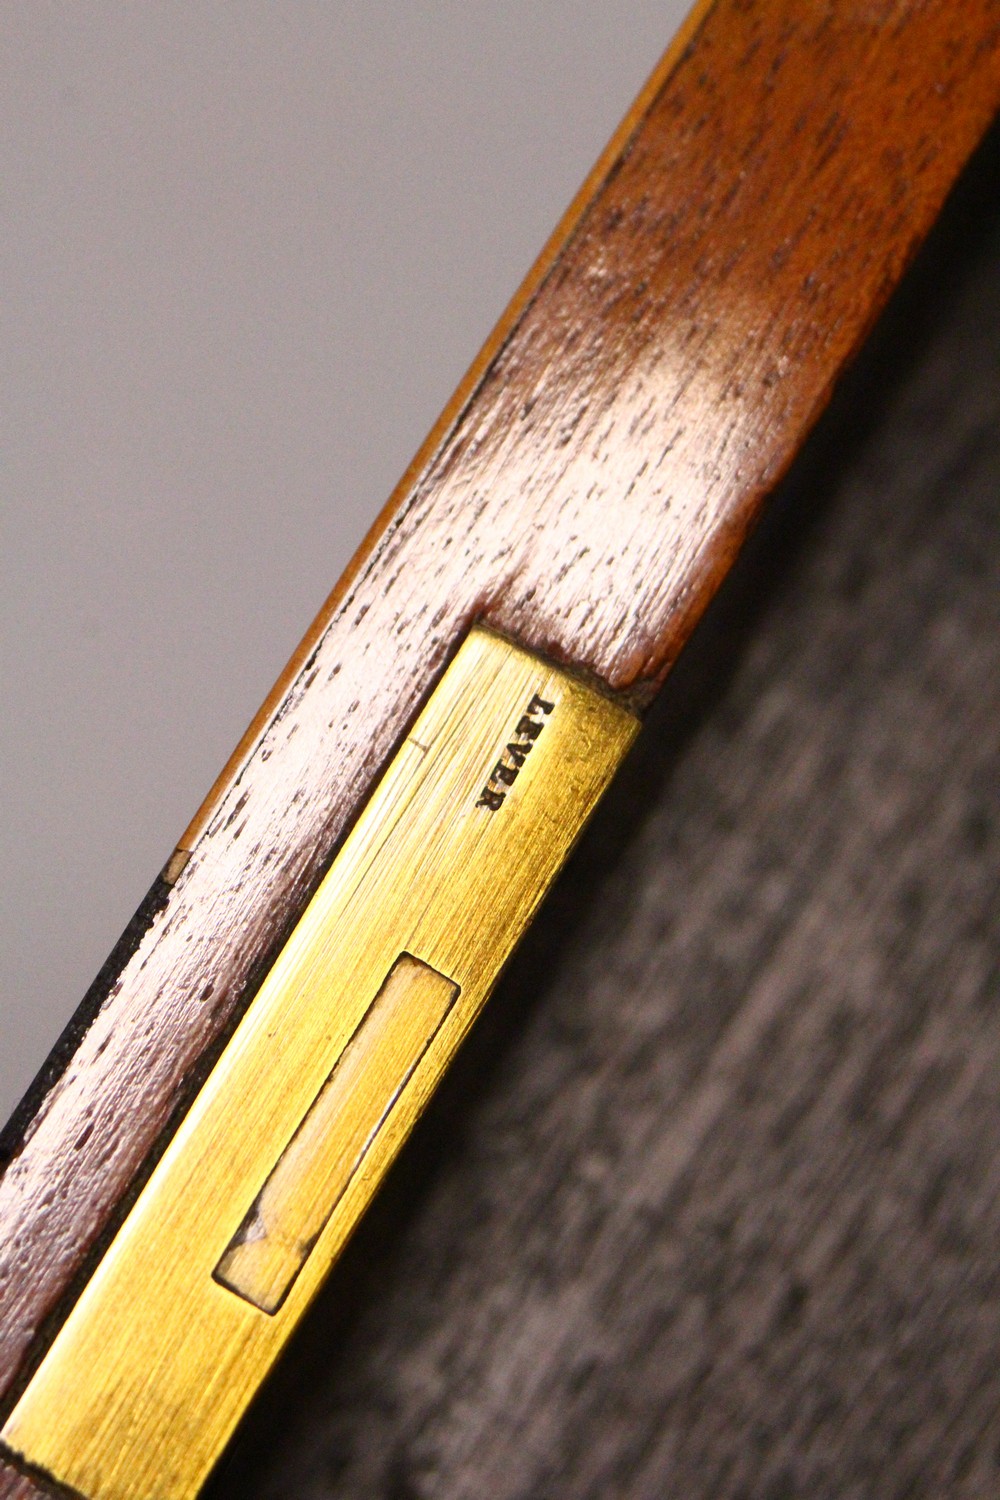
[(513, 756), (143, 1385), (314, 1171)]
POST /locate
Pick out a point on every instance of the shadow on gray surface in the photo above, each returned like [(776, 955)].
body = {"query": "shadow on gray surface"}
[(708, 1205)]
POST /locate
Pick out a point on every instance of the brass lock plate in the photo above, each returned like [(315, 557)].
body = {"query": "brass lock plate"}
[(323, 1079)]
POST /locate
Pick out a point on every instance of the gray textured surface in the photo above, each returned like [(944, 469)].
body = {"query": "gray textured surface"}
[(712, 1206)]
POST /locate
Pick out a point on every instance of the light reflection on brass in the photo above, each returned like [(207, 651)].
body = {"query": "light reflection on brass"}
[(287, 1217), (465, 832)]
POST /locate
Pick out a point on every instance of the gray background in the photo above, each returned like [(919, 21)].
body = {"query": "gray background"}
[(247, 253)]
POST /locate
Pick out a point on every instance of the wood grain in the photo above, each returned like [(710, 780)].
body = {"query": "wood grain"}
[(585, 492), (14, 1486), (711, 1209)]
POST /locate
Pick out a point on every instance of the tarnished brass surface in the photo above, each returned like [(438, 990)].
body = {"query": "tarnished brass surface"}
[(323, 1079)]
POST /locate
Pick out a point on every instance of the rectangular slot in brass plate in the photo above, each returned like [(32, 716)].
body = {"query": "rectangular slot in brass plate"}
[(144, 1382), (288, 1215)]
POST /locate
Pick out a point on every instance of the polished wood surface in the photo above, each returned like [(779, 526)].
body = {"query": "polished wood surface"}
[(117, 1410), (711, 1210), (585, 492)]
